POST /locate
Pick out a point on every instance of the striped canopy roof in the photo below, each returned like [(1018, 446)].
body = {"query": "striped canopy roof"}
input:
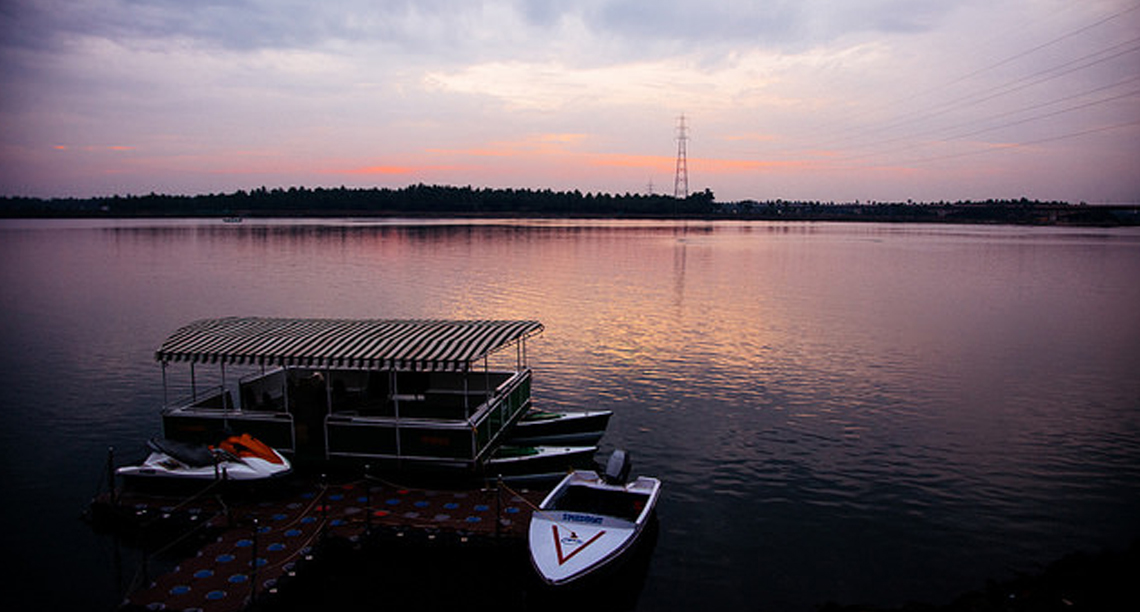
[(372, 344)]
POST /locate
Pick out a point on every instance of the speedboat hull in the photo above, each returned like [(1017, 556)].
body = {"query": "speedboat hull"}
[(586, 524), (549, 427), (538, 462)]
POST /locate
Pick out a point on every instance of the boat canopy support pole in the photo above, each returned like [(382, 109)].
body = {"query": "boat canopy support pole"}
[(328, 409), (328, 391), (486, 380), (193, 384), (486, 401), (165, 397), (394, 393), (285, 393)]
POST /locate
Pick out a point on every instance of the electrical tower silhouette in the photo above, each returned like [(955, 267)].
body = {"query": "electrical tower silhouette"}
[(681, 176)]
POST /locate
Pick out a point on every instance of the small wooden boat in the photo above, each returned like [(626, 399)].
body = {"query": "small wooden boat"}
[(550, 427), (589, 521), (238, 458)]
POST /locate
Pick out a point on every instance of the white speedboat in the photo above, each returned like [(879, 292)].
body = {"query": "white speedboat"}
[(589, 521), (238, 458), (538, 463), (538, 426)]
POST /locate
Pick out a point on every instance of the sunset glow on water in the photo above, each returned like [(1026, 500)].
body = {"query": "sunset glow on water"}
[(848, 412)]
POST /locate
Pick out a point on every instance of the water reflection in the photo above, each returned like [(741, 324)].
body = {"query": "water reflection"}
[(853, 412)]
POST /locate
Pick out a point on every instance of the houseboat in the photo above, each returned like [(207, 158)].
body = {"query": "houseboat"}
[(389, 393)]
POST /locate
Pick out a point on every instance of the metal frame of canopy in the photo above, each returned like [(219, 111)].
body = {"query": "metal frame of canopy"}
[(334, 346)]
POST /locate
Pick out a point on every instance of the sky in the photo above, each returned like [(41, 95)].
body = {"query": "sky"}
[(829, 100)]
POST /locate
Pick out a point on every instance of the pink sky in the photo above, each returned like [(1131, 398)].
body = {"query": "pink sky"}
[(866, 100)]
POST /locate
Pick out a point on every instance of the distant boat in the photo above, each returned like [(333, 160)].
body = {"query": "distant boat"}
[(232, 219), (588, 522), (549, 427)]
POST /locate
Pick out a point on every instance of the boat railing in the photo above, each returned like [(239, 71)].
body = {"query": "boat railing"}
[(446, 419), (198, 425), (213, 398), (510, 401), (207, 416), (420, 431), (263, 391)]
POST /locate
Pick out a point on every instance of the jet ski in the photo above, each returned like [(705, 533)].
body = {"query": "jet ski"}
[(239, 458)]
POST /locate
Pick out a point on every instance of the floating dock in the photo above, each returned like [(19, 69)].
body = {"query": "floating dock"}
[(253, 549)]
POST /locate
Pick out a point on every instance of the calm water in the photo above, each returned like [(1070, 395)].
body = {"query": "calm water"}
[(858, 413)]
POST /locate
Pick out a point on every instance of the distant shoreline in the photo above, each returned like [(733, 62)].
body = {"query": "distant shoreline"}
[(1109, 216), (433, 201)]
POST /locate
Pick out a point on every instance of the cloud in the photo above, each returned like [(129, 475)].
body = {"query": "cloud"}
[(447, 29), (381, 170), (745, 82), (715, 28), (93, 148), (453, 90), (459, 28), (530, 146)]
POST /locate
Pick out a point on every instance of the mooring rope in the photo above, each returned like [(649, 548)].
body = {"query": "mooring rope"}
[(391, 484), (216, 482), (300, 549), (316, 498), (135, 581)]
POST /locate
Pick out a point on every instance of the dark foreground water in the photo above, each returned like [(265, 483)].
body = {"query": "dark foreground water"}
[(847, 412)]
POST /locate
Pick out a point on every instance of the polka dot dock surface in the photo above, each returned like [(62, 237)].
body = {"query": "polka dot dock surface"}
[(255, 547)]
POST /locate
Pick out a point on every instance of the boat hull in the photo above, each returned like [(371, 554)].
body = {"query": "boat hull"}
[(586, 525), (570, 428), (538, 463)]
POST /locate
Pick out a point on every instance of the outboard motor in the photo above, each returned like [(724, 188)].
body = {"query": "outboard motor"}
[(617, 469)]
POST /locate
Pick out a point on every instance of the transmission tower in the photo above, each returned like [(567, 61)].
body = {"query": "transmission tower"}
[(681, 176)]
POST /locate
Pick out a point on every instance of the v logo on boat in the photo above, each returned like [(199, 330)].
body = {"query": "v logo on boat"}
[(573, 543)]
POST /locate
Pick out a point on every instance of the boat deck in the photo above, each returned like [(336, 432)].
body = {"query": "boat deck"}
[(258, 547)]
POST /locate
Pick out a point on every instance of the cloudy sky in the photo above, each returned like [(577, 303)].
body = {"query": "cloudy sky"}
[(799, 99)]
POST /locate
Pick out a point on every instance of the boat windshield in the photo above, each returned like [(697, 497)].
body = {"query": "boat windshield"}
[(606, 502)]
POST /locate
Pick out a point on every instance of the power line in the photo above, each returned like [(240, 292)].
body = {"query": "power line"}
[(1000, 147), (985, 124), (1007, 88), (1043, 45), (1048, 115), (993, 128), (1036, 78), (1016, 111)]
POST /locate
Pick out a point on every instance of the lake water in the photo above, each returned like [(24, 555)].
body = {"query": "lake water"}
[(850, 412)]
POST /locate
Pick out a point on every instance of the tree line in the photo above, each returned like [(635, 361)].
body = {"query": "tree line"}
[(439, 200), (417, 199)]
